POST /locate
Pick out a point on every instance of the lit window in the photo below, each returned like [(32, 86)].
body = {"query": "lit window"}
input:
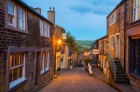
[(17, 68), (45, 61), (136, 9), (11, 14), (21, 19)]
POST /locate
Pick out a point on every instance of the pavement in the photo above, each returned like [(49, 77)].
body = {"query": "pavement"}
[(78, 80)]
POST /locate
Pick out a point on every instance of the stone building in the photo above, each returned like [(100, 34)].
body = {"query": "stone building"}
[(26, 51), (132, 30), (115, 32), (102, 46)]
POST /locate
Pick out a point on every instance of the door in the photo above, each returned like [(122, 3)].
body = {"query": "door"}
[(118, 46)]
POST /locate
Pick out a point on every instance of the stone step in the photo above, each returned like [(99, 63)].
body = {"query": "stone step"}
[(120, 75), (122, 81)]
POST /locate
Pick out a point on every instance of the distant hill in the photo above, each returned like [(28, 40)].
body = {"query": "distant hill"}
[(84, 44)]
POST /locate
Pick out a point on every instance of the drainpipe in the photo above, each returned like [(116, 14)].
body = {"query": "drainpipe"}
[(125, 35)]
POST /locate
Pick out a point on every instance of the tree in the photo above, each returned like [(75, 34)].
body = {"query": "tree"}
[(71, 41)]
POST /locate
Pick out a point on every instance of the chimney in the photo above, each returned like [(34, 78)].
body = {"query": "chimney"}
[(38, 10), (51, 15)]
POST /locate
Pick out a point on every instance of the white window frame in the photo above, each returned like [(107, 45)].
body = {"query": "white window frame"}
[(14, 20), (112, 41), (48, 31), (19, 80), (136, 10), (112, 18), (44, 29), (105, 44), (41, 27), (45, 62), (23, 18)]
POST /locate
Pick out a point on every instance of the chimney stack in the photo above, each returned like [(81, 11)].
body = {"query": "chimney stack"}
[(51, 14)]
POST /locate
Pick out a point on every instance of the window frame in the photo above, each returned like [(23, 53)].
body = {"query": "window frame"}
[(14, 24), (111, 42), (112, 18), (16, 27), (23, 80), (17, 81), (44, 28), (45, 58), (23, 18), (136, 10)]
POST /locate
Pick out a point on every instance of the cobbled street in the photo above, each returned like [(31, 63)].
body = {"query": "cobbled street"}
[(77, 80)]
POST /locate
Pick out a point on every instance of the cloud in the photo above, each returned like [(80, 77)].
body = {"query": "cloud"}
[(81, 9), (102, 7)]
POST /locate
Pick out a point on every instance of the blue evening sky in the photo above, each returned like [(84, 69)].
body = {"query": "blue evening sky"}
[(85, 19)]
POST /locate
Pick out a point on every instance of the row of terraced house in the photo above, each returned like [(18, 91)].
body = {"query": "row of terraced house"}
[(121, 46), (29, 52)]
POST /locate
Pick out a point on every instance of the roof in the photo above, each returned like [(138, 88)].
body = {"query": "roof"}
[(116, 7), (102, 37), (32, 9)]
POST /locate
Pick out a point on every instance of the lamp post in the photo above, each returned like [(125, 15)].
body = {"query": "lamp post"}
[(86, 54), (57, 43)]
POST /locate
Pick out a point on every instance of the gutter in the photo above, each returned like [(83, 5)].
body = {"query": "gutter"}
[(124, 35)]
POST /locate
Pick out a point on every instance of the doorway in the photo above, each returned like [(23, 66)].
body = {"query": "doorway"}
[(118, 46)]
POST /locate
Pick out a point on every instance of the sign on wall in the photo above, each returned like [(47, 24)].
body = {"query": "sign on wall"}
[(64, 37), (96, 51)]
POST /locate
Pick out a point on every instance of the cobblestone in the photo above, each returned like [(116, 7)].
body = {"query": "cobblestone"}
[(77, 80)]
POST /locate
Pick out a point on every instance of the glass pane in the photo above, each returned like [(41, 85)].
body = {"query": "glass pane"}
[(20, 13), (15, 74), (21, 58), (10, 8), (20, 71), (136, 14), (136, 3), (16, 59), (20, 24), (10, 19), (10, 77), (11, 61)]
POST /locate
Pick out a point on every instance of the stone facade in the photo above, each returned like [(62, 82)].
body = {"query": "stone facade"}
[(117, 29), (102, 55), (132, 33), (12, 40)]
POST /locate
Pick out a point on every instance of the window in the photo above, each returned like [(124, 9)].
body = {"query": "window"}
[(45, 61), (11, 14), (21, 19), (17, 68), (105, 44), (44, 29), (41, 27), (135, 56), (136, 9), (112, 42), (112, 19)]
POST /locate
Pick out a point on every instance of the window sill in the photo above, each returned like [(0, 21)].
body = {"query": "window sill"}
[(16, 84), (16, 29), (135, 76), (135, 22), (46, 71)]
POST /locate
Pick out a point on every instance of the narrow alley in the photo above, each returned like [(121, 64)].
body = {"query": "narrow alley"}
[(77, 80)]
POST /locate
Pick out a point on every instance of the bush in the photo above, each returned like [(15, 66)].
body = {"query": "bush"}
[(87, 61)]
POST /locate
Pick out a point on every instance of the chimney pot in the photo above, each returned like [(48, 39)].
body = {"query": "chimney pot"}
[(50, 9), (53, 9)]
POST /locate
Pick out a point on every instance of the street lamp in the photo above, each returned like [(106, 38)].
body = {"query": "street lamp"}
[(59, 41)]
